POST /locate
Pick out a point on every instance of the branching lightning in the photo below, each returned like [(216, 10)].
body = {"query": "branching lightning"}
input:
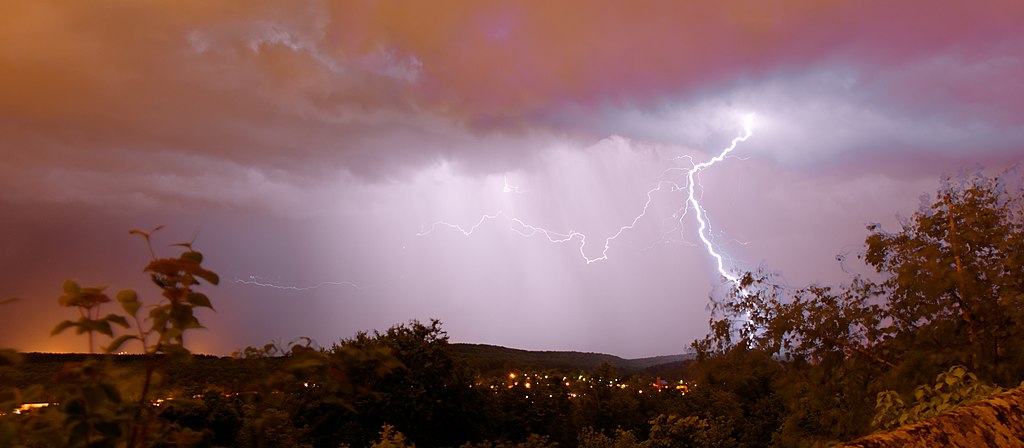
[(257, 281), (691, 176), (748, 125), (426, 231)]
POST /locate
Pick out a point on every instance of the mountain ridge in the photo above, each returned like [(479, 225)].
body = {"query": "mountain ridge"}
[(491, 359)]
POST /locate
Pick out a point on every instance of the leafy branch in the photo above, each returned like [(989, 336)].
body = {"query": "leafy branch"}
[(94, 404)]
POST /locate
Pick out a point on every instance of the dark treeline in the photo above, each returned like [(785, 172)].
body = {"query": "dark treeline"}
[(937, 323), (408, 378)]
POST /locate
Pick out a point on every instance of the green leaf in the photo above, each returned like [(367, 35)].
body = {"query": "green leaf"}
[(183, 318), (210, 276), (100, 326), (129, 301), (145, 234), (165, 266), (71, 287), (158, 312), (176, 351), (200, 300), (117, 319), (919, 393), (127, 295), (117, 343), (61, 327), (193, 256), (159, 318), (170, 334)]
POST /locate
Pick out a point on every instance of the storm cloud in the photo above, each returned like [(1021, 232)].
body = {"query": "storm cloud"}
[(307, 143)]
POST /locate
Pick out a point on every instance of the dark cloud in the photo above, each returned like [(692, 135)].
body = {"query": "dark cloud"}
[(309, 141)]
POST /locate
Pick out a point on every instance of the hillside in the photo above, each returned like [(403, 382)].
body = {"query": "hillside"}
[(493, 359), (488, 360)]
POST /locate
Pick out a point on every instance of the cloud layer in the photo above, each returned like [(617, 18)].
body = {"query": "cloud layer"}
[(311, 140)]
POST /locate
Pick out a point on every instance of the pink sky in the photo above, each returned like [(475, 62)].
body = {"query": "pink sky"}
[(307, 143)]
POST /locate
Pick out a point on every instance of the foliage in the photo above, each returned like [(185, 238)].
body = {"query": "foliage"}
[(666, 431), (955, 269), (424, 391), (737, 392), (993, 421), (391, 438), (88, 302), (99, 405), (947, 291), (591, 438), (268, 426), (531, 441), (953, 388), (168, 320), (669, 431)]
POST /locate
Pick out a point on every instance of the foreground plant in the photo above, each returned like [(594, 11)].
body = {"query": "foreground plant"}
[(97, 404)]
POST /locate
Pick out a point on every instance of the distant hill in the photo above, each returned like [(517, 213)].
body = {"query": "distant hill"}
[(40, 368), (489, 360), (493, 359)]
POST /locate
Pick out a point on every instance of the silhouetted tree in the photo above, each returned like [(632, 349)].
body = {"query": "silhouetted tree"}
[(949, 290)]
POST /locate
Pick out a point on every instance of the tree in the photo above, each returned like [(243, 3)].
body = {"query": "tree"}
[(668, 431), (427, 395), (390, 438), (948, 289), (955, 276), (605, 407)]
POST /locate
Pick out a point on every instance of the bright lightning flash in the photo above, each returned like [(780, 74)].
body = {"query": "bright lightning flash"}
[(748, 128), (692, 203)]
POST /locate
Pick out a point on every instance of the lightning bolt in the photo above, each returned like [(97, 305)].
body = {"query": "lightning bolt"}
[(528, 230), (748, 128), (257, 281), (692, 203), (509, 188), (427, 231)]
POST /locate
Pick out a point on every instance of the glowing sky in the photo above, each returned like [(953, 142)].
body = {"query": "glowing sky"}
[(306, 143)]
